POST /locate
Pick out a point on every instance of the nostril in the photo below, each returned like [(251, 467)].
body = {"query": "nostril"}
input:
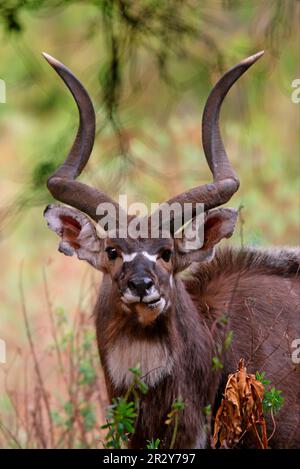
[(148, 283), (131, 285), (140, 285)]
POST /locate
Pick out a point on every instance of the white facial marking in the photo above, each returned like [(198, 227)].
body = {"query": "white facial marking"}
[(152, 295), (160, 305), (154, 359), (151, 257), (128, 297), (129, 257)]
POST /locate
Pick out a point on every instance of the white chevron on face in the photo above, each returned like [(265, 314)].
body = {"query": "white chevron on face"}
[(130, 257)]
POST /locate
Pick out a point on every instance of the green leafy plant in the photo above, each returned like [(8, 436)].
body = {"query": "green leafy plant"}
[(66, 406), (217, 364), (208, 414), (173, 418), (228, 340), (273, 399), (261, 377), (153, 444), (121, 418), (207, 410), (122, 413), (222, 347)]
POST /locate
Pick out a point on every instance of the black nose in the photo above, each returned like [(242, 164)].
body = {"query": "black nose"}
[(140, 285)]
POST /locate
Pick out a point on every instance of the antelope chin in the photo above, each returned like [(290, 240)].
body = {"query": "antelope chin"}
[(147, 309), (148, 312)]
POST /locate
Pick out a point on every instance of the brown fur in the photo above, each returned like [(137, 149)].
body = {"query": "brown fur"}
[(259, 292), (253, 294)]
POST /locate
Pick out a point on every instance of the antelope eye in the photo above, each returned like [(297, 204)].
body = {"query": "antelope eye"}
[(112, 253), (166, 255)]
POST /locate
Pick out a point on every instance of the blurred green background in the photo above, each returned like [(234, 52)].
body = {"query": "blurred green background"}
[(148, 66)]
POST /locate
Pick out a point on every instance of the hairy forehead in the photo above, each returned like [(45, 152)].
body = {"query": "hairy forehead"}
[(129, 245)]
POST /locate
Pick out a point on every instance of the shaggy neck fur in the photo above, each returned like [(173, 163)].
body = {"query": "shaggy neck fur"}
[(252, 293), (175, 354)]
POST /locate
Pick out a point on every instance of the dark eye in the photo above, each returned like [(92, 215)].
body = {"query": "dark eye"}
[(112, 253), (166, 255)]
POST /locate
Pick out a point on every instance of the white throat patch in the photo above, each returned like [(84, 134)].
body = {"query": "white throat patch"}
[(154, 359)]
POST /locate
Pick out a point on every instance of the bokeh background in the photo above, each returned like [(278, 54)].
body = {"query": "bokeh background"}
[(149, 66)]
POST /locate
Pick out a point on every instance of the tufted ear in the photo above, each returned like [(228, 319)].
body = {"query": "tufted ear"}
[(218, 224), (77, 232)]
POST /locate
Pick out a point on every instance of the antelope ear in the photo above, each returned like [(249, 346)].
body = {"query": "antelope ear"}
[(77, 232), (218, 224)]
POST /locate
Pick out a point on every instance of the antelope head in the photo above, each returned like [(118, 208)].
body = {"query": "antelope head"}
[(141, 270)]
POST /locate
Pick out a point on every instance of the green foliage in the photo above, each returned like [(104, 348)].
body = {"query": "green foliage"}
[(221, 348), (207, 410), (273, 400), (121, 417), (153, 444), (228, 340), (173, 418), (77, 407), (138, 384), (87, 373), (217, 364), (88, 412), (223, 319), (66, 415), (177, 406), (261, 377), (41, 173), (160, 38), (149, 66), (122, 414)]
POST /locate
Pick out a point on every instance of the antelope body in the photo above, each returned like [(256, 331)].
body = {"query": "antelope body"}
[(171, 307)]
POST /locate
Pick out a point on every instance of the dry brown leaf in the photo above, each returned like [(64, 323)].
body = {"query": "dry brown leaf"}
[(240, 411)]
